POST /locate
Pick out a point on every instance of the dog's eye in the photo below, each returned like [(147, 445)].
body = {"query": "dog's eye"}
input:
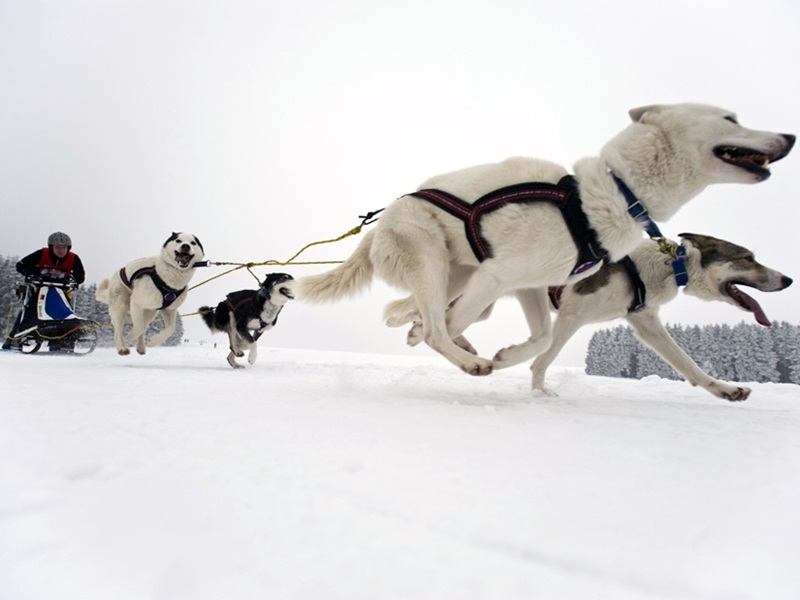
[(732, 120)]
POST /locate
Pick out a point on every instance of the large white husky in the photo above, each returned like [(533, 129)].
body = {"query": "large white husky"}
[(479, 233)]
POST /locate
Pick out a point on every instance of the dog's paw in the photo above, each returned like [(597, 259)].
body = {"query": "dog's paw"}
[(479, 368), (735, 393), (414, 336), (232, 361), (543, 390), (123, 352), (507, 357)]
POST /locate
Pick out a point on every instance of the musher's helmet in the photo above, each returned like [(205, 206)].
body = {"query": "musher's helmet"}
[(59, 237)]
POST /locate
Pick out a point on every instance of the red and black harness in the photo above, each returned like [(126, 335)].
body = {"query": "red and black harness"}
[(168, 294), (244, 301), (563, 195)]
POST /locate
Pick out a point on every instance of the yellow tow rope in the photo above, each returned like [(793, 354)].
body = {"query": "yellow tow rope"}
[(367, 219)]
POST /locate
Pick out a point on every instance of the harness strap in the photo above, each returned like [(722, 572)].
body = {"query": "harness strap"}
[(639, 289), (168, 294), (678, 255), (564, 196), (555, 295), (233, 307), (636, 209)]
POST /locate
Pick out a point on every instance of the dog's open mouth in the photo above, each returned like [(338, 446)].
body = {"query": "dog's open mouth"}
[(285, 291), (753, 161), (747, 159), (746, 302), (184, 259)]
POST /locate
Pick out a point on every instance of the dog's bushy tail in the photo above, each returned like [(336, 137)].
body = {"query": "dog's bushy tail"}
[(349, 278), (101, 293), (208, 317)]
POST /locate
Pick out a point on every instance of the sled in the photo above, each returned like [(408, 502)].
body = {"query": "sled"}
[(48, 319)]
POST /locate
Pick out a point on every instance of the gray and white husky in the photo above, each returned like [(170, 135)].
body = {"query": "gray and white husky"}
[(664, 158), (715, 269)]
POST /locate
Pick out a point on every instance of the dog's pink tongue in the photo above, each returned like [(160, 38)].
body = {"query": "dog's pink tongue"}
[(755, 307)]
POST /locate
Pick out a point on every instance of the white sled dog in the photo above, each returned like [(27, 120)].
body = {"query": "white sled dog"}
[(635, 289), (479, 233), (148, 285)]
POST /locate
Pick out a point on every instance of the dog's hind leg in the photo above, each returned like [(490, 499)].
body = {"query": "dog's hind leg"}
[(141, 318), (117, 315), (565, 327), (232, 361), (535, 305), (170, 316), (233, 342)]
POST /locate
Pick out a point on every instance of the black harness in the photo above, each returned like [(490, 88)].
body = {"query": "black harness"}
[(168, 294), (563, 195), (639, 289), (244, 301)]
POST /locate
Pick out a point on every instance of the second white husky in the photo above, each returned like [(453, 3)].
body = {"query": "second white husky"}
[(466, 235)]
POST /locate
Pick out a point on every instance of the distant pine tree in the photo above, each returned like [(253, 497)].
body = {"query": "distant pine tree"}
[(743, 353)]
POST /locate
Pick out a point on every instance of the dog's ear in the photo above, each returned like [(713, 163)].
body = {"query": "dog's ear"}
[(196, 239), (637, 114), (695, 239)]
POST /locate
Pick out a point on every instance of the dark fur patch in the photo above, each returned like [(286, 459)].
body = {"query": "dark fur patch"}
[(715, 250), (590, 285)]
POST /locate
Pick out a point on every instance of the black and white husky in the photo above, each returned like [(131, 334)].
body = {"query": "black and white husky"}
[(246, 314)]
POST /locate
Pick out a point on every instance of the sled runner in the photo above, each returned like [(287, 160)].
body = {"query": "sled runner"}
[(48, 317)]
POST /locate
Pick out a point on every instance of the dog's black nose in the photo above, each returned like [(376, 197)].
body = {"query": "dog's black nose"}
[(786, 281), (790, 139), (185, 248)]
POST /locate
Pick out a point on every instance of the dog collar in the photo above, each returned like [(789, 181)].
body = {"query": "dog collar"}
[(636, 209), (678, 255)]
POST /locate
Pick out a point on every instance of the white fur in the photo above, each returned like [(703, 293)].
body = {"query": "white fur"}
[(666, 156), (144, 300)]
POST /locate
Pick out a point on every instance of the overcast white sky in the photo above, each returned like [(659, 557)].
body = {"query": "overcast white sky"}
[(261, 126)]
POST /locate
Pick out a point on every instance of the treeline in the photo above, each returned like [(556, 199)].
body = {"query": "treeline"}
[(744, 352), (86, 306)]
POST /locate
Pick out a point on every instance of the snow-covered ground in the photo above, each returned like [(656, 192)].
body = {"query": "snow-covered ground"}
[(334, 475)]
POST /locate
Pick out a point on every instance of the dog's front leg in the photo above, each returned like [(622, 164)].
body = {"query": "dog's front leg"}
[(253, 351), (535, 306), (649, 329)]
